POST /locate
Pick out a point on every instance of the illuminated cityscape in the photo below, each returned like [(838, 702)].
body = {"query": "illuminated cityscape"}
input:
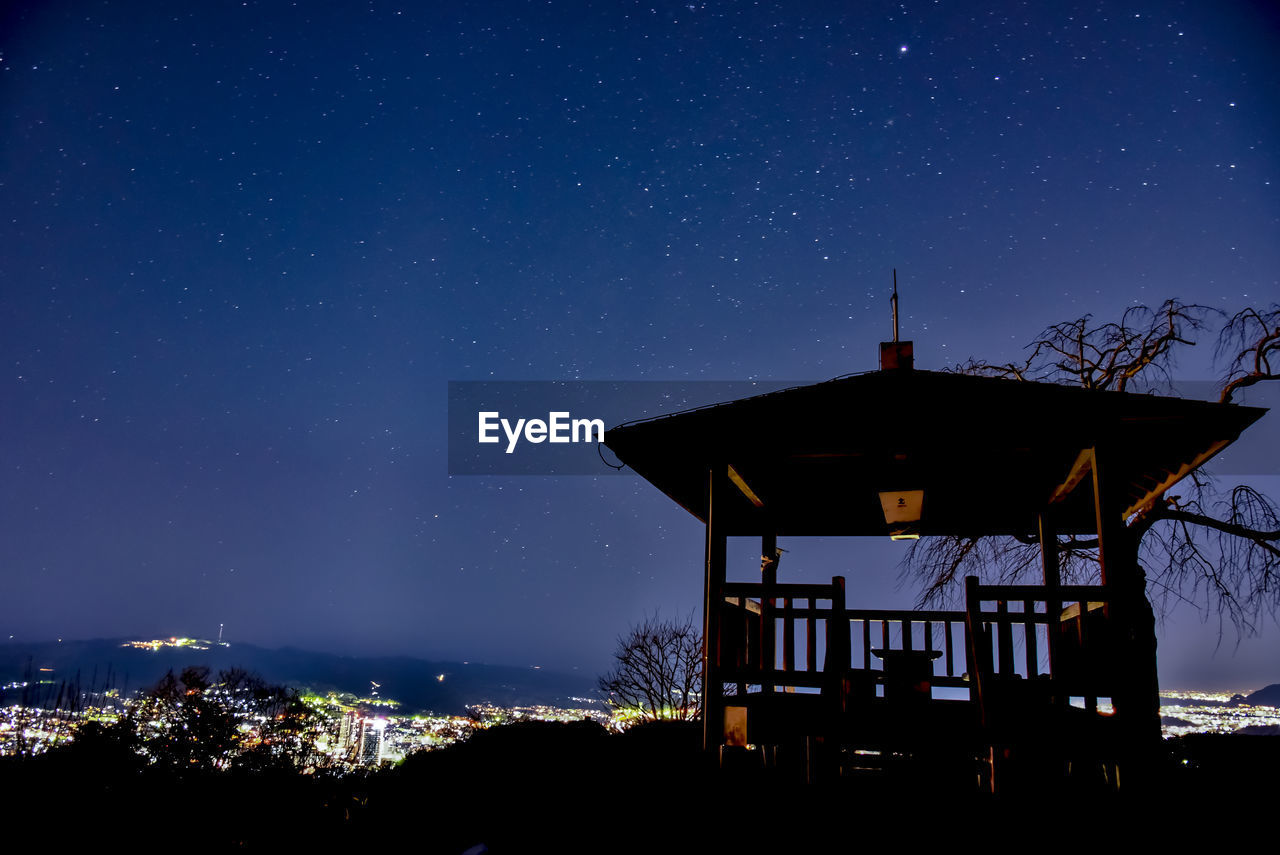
[(159, 643), (338, 732), (344, 737), (342, 732), (345, 733), (1186, 712)]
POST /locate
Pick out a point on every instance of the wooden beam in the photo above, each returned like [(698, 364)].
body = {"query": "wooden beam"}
[(1079, 469), (746, 490), (1173, 477)]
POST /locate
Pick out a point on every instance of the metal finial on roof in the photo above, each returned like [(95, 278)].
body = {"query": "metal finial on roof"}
[(893, 301)]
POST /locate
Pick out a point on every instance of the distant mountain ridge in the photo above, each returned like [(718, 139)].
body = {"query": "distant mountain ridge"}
[(1265, 697), (415, 683)]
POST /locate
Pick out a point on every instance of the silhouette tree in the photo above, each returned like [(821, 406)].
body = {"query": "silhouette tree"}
[(1251, 340), (1207, 544), (286, 729), (658, 671), (193, 724), (182, 725)]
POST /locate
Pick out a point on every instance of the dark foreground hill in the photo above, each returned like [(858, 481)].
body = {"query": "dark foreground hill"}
[(419, 684), (546, 787)]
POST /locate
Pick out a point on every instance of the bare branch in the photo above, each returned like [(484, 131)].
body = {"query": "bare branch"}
[(1219, 550), (659, 670), (1253, 340), (1139, 349)]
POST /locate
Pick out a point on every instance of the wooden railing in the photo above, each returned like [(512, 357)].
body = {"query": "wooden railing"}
[(759, 629), (1036, 652), (792, 635), (875, 631), (1060, 636), (802, 635), (1012, 665)]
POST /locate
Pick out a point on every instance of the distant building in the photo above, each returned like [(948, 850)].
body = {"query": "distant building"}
[(371, 741), (348, 729)]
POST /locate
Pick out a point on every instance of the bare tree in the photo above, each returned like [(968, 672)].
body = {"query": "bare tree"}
[(658, 671), (1137, 351), (1205, 544), (1250, 340)]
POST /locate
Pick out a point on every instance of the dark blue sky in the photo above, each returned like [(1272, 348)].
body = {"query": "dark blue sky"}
[(247, 245)]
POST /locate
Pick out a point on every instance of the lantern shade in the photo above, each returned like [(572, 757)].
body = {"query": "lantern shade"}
[(902, 507), (902, 512)]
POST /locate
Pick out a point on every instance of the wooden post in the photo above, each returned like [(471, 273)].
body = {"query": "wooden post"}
[(768, 578), (712, 605), (838, 654), (1118, 565), (1049, 551), (1052, 581), (1136, 695)]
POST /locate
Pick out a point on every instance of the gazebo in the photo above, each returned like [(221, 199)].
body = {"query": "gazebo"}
[(1046, 679)]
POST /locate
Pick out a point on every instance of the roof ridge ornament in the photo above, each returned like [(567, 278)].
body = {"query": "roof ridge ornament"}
[(893, 302), (896, 354)]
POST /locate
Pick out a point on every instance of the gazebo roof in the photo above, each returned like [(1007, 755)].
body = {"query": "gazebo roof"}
[(989, 454)]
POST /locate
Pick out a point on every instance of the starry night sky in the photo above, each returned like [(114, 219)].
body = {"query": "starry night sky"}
[(246, 246)]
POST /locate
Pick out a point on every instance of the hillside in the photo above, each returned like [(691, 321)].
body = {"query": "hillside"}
[(419, 684), (1265, 697)]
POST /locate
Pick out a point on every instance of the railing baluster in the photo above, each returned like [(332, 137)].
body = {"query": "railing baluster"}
[(1029, 627), (1004, 640), (788, 637), (946, 625), (811, 638), (866, 644)]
